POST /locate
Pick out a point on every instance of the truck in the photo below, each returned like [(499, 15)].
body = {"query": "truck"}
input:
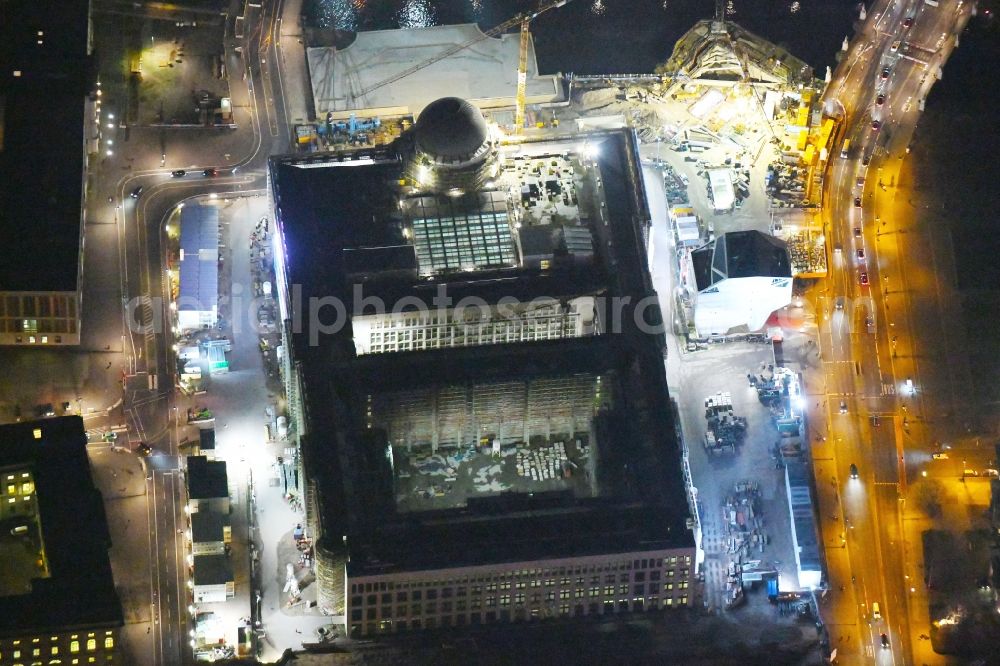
[(846, 147)]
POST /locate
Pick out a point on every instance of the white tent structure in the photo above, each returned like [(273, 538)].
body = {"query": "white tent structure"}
[(742, 277)]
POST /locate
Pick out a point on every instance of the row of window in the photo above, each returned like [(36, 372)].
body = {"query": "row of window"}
[(56, 648), (431, 607), (465, 335), (575, 586), (370, 625), (37, 306), (533, 576)]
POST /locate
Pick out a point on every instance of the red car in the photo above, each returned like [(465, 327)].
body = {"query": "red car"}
[(864, 278), (908, 22)]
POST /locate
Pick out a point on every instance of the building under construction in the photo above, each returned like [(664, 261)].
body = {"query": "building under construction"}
[(476, 379)]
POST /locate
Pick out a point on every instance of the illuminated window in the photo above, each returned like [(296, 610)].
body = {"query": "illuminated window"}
[(91, 644), (55, 649), (74, 646), (109, 643), (26, 489), (11, 489)]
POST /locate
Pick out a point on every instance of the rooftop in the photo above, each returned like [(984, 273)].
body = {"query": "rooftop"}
[(68, 533), (212, 570), (561, 437), (484, 73), (43, 48), (741, 254), (206, 478), (199, 270), (208, 526)]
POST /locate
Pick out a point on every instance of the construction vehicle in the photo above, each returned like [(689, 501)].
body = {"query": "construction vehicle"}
[(523, 20)]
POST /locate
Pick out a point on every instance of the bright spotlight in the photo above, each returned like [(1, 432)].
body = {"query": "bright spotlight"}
[(591, 150)]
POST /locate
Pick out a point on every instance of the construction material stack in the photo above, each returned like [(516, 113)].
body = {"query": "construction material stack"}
[(725, 430)]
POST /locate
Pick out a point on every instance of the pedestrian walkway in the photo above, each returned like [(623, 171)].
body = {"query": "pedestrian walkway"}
[(294, 68)]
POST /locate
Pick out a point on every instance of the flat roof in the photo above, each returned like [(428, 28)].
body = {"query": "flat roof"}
[(43, 87), (206, 478), (212, 570), (208, 526), (199, 264), (74, 529), (484, 73), (332, 206)]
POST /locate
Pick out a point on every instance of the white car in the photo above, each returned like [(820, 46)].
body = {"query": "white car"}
[(909, 385)]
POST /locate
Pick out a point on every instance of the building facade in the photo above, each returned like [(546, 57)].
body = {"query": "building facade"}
[(521, 591)]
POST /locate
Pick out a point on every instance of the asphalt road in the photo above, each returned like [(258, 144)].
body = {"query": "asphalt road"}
[(874, 332), (132, 281)]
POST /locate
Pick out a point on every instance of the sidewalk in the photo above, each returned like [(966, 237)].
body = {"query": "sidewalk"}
[(295, 82)]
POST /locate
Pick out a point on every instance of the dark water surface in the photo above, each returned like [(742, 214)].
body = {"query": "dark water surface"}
[(606, 36)]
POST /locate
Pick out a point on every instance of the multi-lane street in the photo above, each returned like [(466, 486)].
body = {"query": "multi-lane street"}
[(892, 381)]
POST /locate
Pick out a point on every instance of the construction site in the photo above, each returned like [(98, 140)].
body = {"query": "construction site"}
[(733, 144)]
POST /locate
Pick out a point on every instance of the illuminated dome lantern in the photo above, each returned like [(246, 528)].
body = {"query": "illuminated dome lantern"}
[(453, 149)]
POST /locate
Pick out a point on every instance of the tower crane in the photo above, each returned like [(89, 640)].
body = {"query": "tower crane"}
[(523, 20)]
